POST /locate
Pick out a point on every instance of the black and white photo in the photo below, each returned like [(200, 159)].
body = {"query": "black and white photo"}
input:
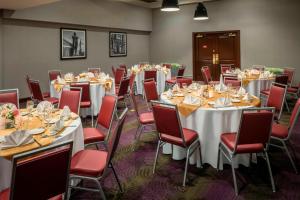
[(117, 44), (73, 43)]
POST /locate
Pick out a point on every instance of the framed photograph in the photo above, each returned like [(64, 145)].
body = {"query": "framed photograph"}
[(117, 44), (72, 43)]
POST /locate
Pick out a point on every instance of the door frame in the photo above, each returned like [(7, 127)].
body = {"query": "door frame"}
[(238, 34)]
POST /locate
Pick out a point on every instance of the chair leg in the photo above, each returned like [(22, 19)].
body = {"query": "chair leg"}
[(101, 190), (142, 130), (219, 157), (92, 112), (270, 171), (200, 155), (286, 105), (116, 176), (137, 131), (292, 150), (234, 177), (186, 166), (290, 157), (156, 156)]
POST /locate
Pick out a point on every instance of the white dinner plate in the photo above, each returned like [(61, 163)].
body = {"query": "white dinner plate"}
[(235, 100), (211, 103), (36, 131)]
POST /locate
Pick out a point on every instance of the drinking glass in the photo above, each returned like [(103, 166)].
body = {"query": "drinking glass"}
[(29, 106), (184, 86)]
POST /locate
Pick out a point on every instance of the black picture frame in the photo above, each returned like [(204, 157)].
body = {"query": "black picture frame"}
[(117, 44), (70, 49)]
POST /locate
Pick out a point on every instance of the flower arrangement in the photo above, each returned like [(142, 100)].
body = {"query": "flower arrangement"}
[(8, 115)]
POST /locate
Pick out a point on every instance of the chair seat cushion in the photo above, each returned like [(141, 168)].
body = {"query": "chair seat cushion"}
[(92, 135), (214, 82), (229, 139), (265, 92), (46, 94), (171, 81), (85, 104), (88, 163), (4, 195), (189, 136), (292, 90), (146, 118), (279, 131), (52, 100)]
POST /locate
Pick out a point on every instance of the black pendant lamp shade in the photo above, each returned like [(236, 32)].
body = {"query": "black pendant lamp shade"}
[(169, 5), (201, 12)]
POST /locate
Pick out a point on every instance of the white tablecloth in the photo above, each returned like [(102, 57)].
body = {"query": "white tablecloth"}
[(209, 123), (70, 133), (255, 86), (161, 78), (97, 92)]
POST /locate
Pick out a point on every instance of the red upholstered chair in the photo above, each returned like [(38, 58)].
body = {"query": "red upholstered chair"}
[(70, 98), (94, 70), (184, 79), (276, 99), (207, 75), (252, 137), (290, 72), (86, 101), (40, 174), (37, 94), (94, 135), (123, 91), (10, 96), (169, 128), (93, 165), (119, 76), (131, 83), (225, 68), (150, 91), (282, 133), (113, 71), (180, 71), (53, 74), (45, 94), (144, 119), (150, 74), (123, 66), (234, 82)]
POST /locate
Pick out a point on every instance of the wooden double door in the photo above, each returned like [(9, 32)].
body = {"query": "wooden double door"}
[(213, 49)]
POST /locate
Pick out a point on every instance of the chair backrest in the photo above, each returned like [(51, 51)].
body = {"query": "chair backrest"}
[(113, 70), (233, 81), (94, 70), (70, 98), (53, 74), (225, 67), (150, 74), (131, 82), (106, 112), (255, 126), (290, 72), (10, 96), (85, 90), (182, 80), (28, 84), (181, 71), (37, 94), (294, 117), (282, 79), (276, 97), (167, 120), (123, 89), (123, 66), (206, 74), (41, 173), (119, 75), (113, 140), (150, 90)]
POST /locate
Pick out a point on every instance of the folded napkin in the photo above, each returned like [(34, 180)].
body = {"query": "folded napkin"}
[(66, 113), (220, 87), (191, 100), (43, 106), (60, 80), (247, 97), (16, 139), (176, 87), (222, 102), (90, 75), (69, 76), (169, 93), (241, 91)]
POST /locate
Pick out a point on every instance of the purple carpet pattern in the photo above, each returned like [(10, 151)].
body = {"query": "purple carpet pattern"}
[(134, 161)]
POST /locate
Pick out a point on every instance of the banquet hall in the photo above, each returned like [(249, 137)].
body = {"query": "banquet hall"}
[(149, 99)]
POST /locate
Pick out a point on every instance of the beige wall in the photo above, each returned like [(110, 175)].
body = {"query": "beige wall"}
[(1, 52), (34, 48), (269, 31)]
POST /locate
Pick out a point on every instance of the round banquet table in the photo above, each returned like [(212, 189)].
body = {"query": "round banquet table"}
[(209, 123), (73, 132), (97, 92), (255, 86), (161, 78)]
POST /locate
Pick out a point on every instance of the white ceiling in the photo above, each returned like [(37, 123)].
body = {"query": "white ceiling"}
[(21, 4)]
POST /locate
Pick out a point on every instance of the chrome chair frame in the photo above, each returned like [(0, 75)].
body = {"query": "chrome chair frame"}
[(12, 90)]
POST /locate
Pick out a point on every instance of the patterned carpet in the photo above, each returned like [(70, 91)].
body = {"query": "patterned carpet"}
[(135, 171)]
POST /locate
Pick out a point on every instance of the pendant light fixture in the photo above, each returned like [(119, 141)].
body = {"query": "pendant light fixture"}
[(169, 5), (201, 12)]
